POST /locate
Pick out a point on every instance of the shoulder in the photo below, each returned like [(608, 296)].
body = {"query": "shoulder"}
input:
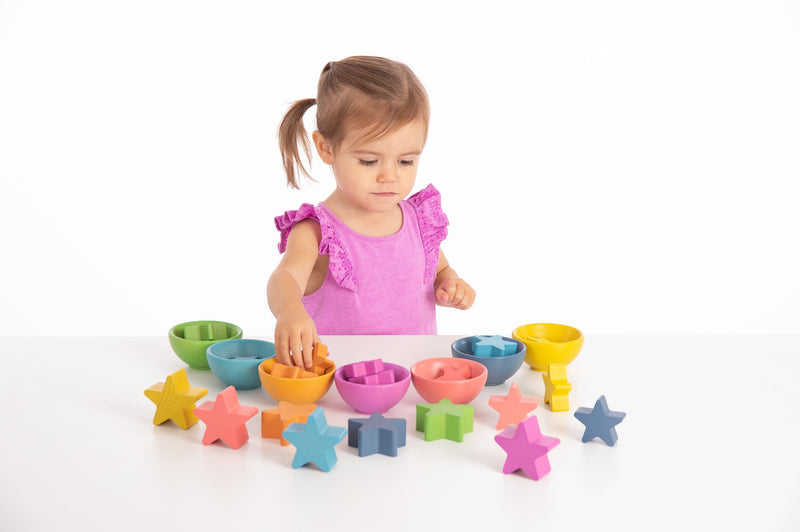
[(427, 196), (305, 232), (427, 205), (299, 225)]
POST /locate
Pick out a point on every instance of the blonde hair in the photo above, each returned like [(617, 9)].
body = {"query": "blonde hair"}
[(373, 94)]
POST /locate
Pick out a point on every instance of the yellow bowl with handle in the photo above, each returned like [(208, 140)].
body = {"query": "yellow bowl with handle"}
[(549, 343)]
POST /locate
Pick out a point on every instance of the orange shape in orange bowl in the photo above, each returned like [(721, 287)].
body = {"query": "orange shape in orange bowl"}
[(295, 390), (457, 379)]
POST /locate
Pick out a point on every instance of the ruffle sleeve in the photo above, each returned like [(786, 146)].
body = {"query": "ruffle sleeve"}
[(340, 265), (427, 203)]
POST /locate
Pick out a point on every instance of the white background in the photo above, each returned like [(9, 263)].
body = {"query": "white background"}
[(624, 167)]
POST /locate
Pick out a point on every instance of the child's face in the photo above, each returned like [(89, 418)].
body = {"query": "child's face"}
[(375, 175)]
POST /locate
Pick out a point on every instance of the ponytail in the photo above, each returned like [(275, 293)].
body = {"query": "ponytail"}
[(291, 134)]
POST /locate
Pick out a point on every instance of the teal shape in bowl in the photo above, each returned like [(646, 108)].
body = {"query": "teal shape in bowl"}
[(500, 368), (235, 362)]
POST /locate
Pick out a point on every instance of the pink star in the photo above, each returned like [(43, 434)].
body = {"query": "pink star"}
[(225, 419), (513, 408), (526, 448)]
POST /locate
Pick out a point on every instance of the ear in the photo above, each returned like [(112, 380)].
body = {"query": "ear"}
[(323, 147)]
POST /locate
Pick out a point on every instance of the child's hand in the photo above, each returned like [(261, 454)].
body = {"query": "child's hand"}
[(295, 337), (455, 292)]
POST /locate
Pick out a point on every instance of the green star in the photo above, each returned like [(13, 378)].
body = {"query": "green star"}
[(444, 420)]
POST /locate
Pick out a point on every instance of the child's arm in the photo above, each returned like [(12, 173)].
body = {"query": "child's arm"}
[(295, 332), (450, 289)]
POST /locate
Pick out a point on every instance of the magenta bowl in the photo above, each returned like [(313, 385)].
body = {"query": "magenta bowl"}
[(371, 398)]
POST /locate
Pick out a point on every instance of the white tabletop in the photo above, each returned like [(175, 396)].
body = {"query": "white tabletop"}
[(709, 442)]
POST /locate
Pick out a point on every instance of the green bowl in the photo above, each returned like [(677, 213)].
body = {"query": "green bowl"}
[(190, 340)]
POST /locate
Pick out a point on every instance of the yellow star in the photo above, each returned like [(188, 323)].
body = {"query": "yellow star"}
[(556, 387), (175, 399)]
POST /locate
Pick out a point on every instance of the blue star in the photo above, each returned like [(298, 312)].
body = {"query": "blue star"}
[(376, 434), (314, 441), (492, 346), (599, 421)]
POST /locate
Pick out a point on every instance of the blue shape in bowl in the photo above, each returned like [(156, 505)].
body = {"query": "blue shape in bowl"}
[(235, 362), (500, 368)]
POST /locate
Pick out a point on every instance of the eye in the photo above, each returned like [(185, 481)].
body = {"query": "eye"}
[(406, 162), (367, 162)]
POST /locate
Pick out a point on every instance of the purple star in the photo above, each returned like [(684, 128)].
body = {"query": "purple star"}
[(526, 448)]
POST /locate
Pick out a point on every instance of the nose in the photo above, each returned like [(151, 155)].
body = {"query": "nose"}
[(387, 173)]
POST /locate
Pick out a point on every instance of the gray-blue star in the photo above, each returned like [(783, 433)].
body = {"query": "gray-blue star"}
[(600, 421), (376, 434), (314, 441)]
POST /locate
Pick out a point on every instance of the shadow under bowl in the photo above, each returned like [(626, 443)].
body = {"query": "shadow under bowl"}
[(191, 340), (437, 378), (235, 362), (500, 368), (549, 343), (297, 391), (371, 398)]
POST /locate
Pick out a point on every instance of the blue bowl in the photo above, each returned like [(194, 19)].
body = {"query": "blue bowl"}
[(235, 362), (500, 368)]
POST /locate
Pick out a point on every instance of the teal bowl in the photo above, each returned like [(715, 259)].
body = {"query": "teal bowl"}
[(190, 340), (235, 362), (500, 368)]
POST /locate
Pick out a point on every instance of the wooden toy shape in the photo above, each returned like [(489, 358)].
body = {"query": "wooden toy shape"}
[(320, 363), (275, 421), (526, 448), (444, 420), (454, 373), (320, 350), (383, 377), (360, 369), (226, 419), (556, 387), (175, 399), (376, 434), (206, 331), (492, 346), (600, 421), (322, 366), (314, 441), (290, 372), (513, 408)]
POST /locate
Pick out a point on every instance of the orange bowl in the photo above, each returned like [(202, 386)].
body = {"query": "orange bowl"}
[(457, 379), (298, 391)]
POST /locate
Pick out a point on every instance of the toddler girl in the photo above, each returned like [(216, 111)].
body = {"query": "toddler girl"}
[(367, 259)]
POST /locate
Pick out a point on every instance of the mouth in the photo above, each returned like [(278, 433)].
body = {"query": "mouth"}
[(384, 194)]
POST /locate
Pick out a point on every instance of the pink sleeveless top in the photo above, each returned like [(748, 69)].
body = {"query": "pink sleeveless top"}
[(376, 285)]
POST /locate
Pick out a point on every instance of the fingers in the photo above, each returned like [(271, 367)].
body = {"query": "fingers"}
[(456, 293), (308, 348), (283, 353), (295, 347), (442, 295)]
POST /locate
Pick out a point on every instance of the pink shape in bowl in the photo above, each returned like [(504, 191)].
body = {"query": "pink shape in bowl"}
[(371, 398)]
